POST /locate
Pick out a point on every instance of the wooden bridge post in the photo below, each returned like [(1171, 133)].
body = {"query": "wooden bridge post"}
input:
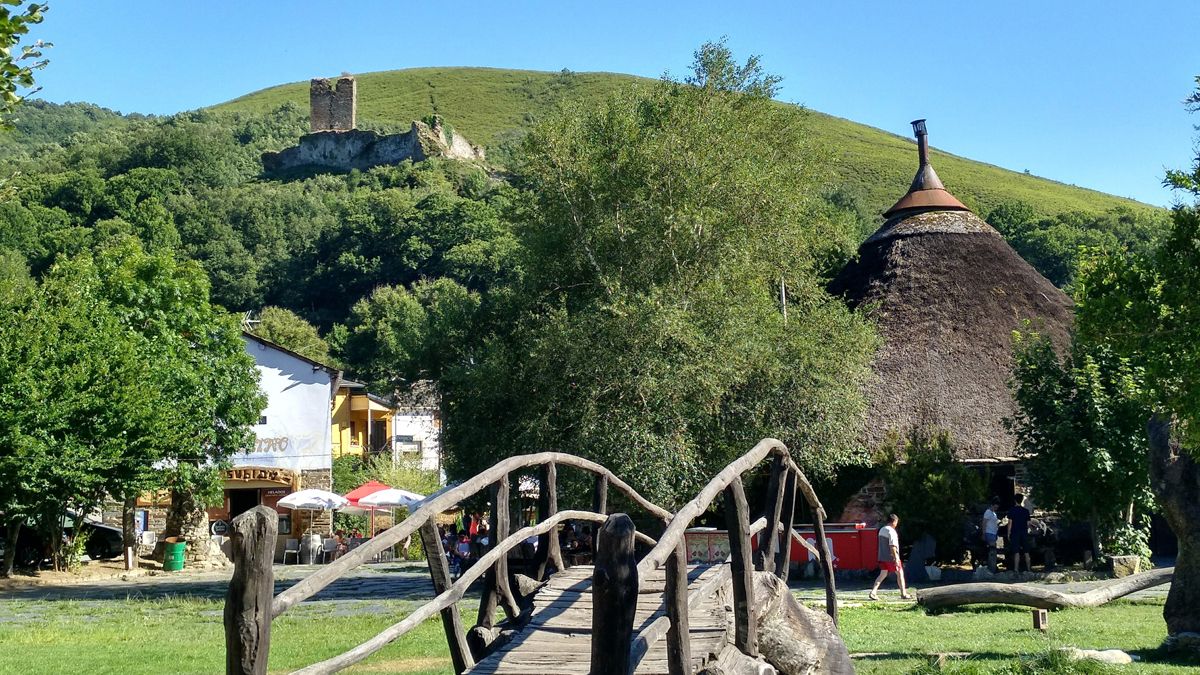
[(496, 586), (489, 594), (614, 597), (784, 555), (737, 518), (501, 526), (439, 571), (831, 602), (600, 495), (251, 591), (547, 549), (679, 643), (768, 542)]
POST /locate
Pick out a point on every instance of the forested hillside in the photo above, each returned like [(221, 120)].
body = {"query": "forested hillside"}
[(530, 285), (192, 183), (490, 105)]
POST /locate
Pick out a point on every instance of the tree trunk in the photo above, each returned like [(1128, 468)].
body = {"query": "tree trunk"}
[(1041, 597), (12, 531), (128, 527), (793, 638), (187, 519), (1175, 479)]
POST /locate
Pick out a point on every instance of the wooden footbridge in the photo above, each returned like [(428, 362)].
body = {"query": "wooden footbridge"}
[(623, 615)]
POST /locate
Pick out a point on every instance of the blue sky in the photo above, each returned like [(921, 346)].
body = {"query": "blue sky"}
[(1084, 93)]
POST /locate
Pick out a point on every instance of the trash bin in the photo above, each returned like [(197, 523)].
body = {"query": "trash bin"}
[(173, 554)]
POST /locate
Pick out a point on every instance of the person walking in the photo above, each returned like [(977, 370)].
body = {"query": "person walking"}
[(1018, 534), (889, 557), (991, 530)]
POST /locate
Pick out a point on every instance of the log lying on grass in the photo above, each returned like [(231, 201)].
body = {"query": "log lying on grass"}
[(1041, 597), (794, 639)]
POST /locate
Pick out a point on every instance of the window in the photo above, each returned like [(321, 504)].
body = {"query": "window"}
[(353, 434), (262, 419)]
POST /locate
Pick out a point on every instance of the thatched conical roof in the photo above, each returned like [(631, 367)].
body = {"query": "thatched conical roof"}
[(946, 292)]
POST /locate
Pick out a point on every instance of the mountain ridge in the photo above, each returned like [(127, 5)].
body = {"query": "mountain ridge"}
[(491, 106)]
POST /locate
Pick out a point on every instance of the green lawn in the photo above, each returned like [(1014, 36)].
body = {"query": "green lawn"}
[(997, 636), (486, 104), (186, 636)]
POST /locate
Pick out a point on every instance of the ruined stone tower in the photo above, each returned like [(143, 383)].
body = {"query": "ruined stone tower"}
[(332, 109)]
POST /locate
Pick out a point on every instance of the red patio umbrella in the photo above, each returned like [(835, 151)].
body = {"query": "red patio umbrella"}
[(367, 488)]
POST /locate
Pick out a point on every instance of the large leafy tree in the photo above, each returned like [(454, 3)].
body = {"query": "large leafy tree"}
[(648, 331), (288, 329), (1080, 424), (1148, 307), (83, 415), (18, 62), (213, 381), (198, 360)]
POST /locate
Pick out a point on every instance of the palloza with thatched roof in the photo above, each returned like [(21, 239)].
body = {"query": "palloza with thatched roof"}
[(946, 292)]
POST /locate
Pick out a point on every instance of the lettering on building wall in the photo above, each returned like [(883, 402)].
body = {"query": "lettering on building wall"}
[(267, 474), (276, 445)]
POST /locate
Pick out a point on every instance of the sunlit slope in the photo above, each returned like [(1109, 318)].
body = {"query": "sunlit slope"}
[(487, 104)]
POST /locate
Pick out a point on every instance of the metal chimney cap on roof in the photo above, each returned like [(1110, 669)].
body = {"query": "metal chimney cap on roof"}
[(927, 193)]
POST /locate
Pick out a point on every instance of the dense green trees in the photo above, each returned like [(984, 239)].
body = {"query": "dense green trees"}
[(117, 376), (287, 329), (1054, 245), (1137, 354), (647, 330), (1081, 425)]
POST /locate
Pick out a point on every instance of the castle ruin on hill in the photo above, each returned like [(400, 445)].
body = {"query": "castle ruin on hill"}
[(336, 143), (332, 108)]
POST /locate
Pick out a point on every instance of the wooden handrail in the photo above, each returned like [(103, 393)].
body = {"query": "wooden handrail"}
[(684, 517), (452, 594), (788, 477), (645, 639), (438, 502)]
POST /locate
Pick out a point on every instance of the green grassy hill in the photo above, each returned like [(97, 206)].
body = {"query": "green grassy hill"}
[(487, 104)]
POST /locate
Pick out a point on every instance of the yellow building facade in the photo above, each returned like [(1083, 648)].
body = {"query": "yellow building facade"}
[(362, 422)]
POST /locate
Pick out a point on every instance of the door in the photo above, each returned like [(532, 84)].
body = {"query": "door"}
[(241, 501)]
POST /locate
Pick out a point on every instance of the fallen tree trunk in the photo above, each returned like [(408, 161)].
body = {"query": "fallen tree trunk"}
[(793, 638), (1040, 596)]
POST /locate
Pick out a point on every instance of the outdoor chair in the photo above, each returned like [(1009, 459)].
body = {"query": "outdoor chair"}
[(329, 549), (291, 546)]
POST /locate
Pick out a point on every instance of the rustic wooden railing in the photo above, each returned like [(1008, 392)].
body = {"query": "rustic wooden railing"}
[(785, 479), (249, 607)]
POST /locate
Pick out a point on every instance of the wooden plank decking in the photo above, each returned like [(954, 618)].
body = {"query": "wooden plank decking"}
[(558, 638)]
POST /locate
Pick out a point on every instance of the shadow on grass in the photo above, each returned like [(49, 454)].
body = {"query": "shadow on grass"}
[(1160, 656), (977, 609)]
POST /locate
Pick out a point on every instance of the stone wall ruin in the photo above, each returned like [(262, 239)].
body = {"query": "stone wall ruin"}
[(333, 107)]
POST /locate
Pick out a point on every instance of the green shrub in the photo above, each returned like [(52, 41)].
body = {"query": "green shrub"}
[(929, 489)]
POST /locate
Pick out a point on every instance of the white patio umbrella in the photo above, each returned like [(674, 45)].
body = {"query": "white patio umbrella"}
[(392, 498), (313, 500)]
